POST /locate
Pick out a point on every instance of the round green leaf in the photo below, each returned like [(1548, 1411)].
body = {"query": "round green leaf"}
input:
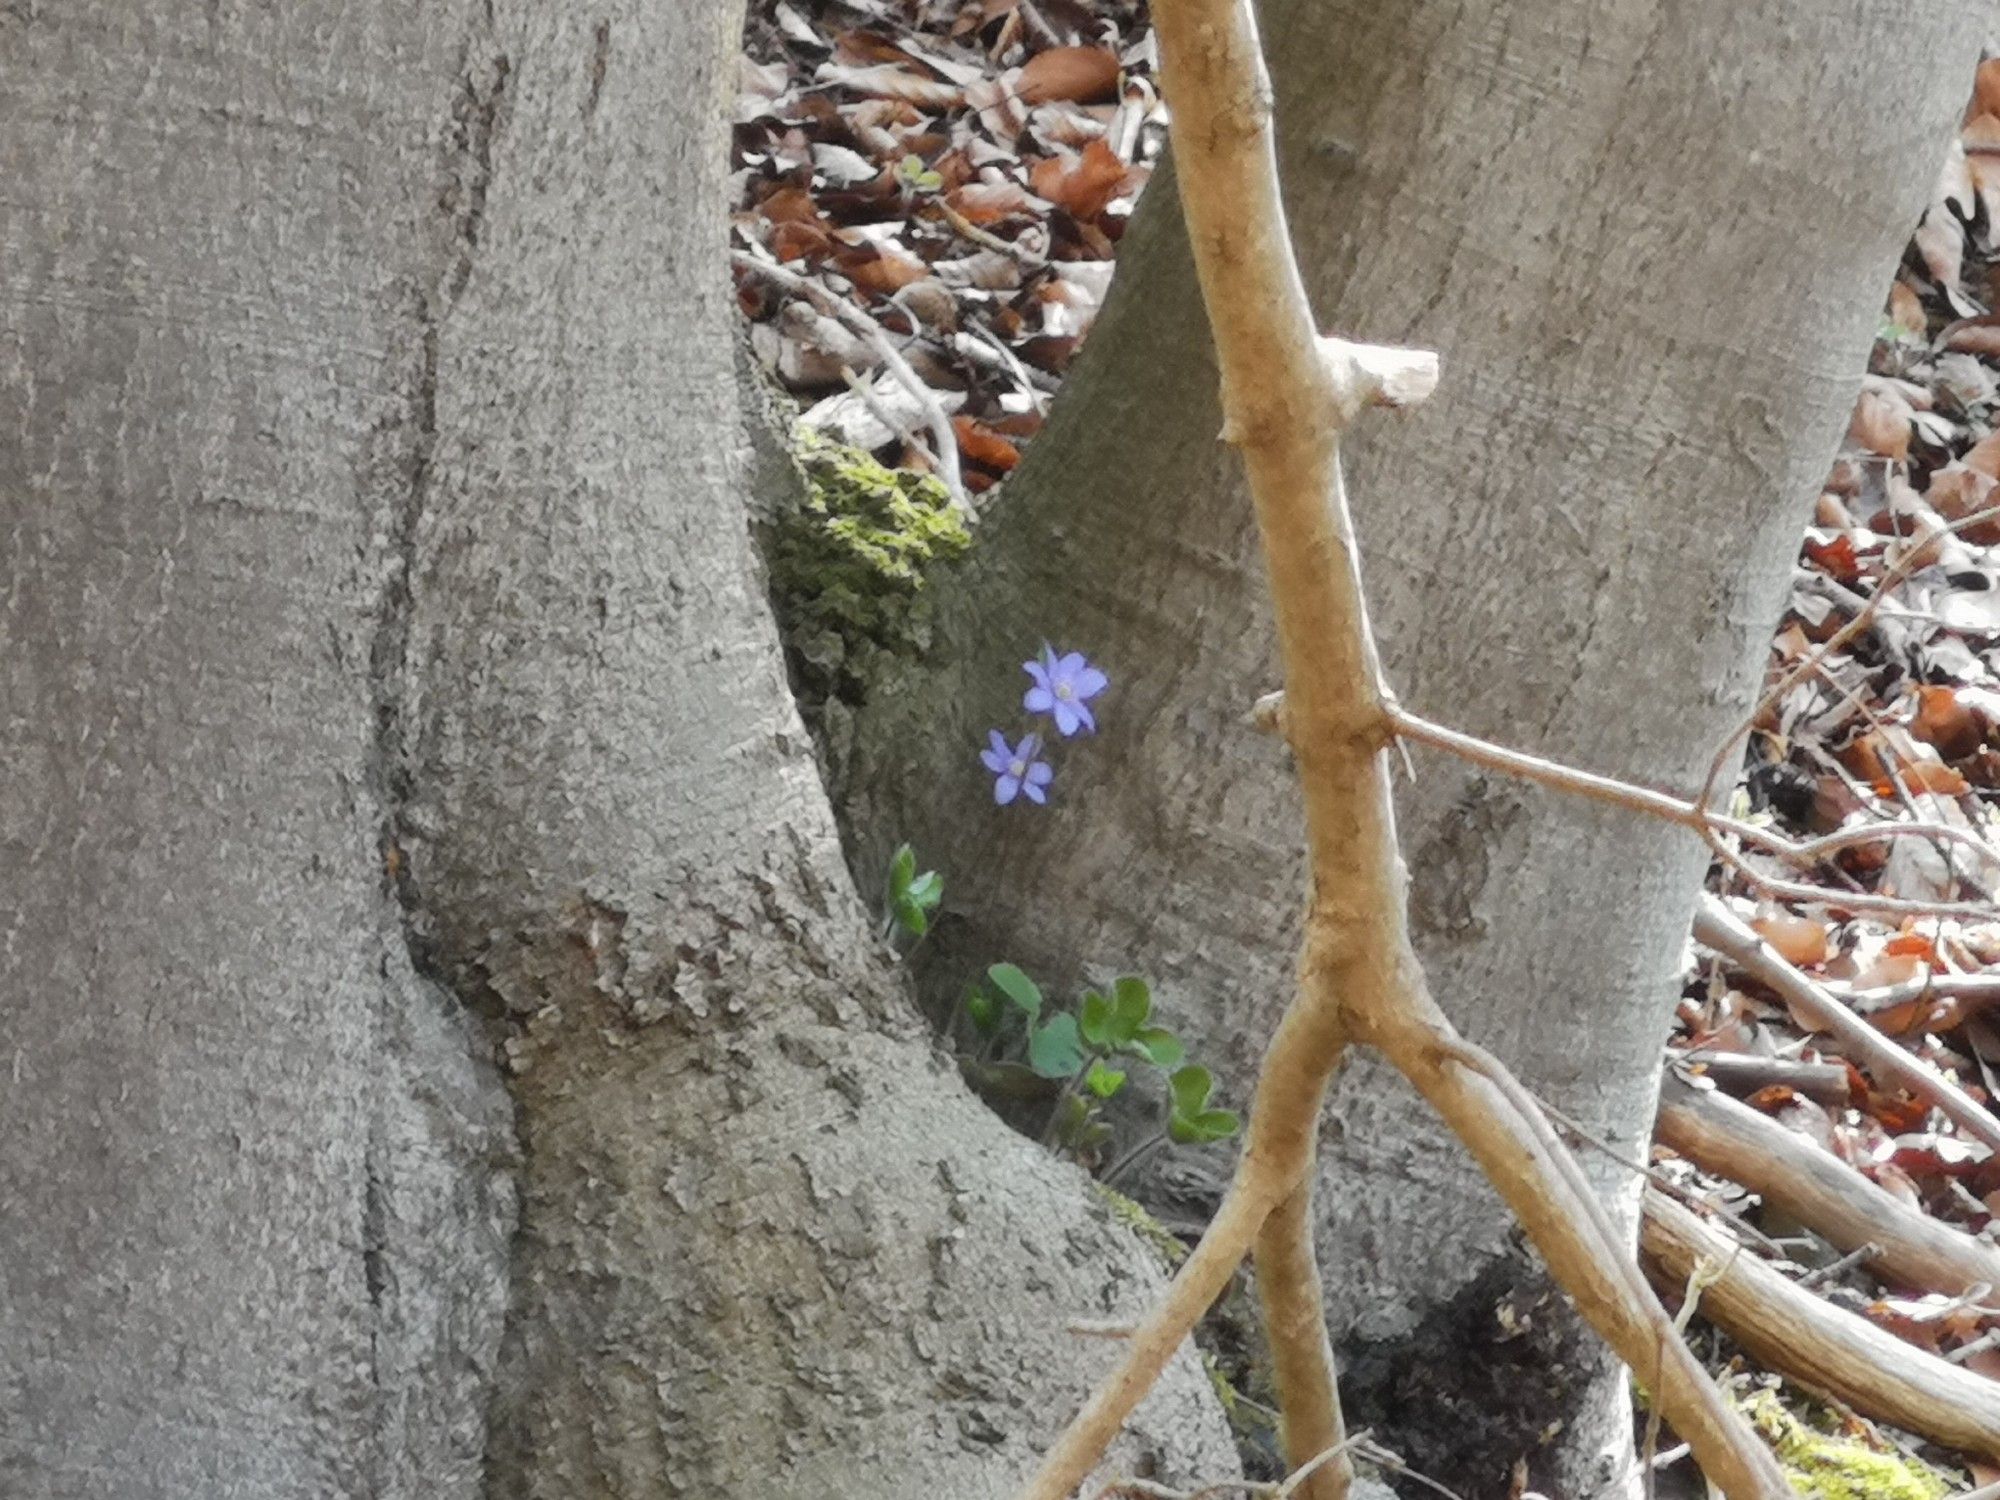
[(902, 868), (1159, 1046), (1096, 1019), (910, 916), (1103, 1081), (1053, 1048), (1191, 1087), (1131, 1004), (1217, 1124), (1017, 987)]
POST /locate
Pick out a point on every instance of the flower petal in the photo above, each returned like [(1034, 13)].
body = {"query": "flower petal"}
[(994, 760), (1070, 665), (1035, 793), (1005, 790), (1041, 773), (1067, 716), (1090, 682), (1083, 713), (1039, 700)]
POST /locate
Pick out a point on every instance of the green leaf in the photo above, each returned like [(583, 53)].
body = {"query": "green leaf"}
[(1096, 1019), (984, 1010), (1217, 1124), (1158, 1046), (1103, 1081), (1131, 1003), (910, 916), (1191, 1087), (1017, 987), (1202, 1126), (902, 868), (927, 890), (1053, 1049)]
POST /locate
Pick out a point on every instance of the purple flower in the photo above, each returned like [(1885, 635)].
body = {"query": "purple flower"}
[(1063, 684), (1016, 768)]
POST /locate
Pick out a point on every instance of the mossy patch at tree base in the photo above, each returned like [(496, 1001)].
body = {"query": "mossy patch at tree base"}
[(850, 566)]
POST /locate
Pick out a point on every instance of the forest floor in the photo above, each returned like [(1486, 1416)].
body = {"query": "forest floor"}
[(941, 186)]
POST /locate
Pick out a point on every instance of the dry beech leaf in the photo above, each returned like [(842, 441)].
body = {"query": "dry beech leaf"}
[(1953, 720), (982, 445), (1080, 75), (1799, 940), (1906, 309), (1084, 185), (987, 202), (1980, 335), (887, 81), (1881, 424), (1986, 88)]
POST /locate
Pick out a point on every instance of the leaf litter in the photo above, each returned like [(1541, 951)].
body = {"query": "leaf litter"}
[(959, 170)]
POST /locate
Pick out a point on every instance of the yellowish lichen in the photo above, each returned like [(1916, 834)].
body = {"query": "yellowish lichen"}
[(1162, 1241), (1823, 1466)]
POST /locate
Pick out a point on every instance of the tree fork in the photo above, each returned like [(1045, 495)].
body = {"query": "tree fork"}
[(1287, 395)]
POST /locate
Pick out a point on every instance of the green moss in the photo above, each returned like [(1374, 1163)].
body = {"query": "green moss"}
[(1825, 1467), (851, 566)]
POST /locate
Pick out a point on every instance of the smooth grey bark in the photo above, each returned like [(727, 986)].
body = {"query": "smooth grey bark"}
[(388, 688), (1651, 243), (254, 1207)]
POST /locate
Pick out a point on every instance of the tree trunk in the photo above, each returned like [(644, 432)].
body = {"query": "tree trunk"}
[(254, 1209), (390, 688), (1653, 264)]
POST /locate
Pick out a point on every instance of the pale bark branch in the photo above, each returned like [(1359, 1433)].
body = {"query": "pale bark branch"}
[(1294, 1309), (1695, 816), (1286, 394)]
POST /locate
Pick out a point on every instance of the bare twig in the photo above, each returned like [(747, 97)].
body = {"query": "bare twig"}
[(1301, 1356), (943, 439), (1715, 926), (1693, 814)]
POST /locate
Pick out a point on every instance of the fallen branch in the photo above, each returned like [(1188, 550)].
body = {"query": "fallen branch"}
[(1807, 1183), (1741, 1073), (1715, 926), (1830, 1352)]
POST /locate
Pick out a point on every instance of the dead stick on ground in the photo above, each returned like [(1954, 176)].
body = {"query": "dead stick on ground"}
[(1808, 1183), (1286, 396), (1715, 926), (1827, 1350)]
